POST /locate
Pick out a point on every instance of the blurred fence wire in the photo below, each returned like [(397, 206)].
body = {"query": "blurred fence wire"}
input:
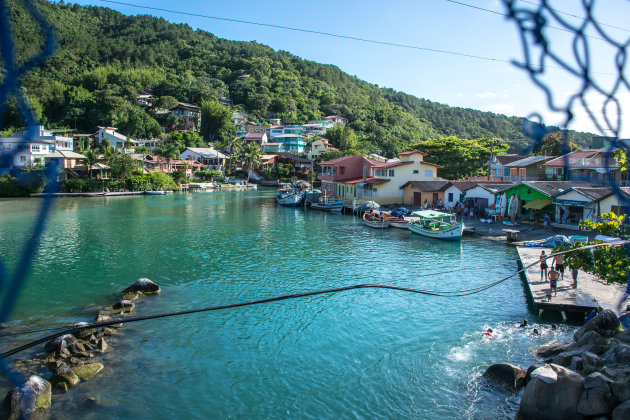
[(538, 54)]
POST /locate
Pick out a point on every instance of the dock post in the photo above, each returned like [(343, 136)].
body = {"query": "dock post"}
[(564, 316)]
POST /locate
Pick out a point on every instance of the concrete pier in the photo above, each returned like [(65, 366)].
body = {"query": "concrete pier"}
[(590, 293)]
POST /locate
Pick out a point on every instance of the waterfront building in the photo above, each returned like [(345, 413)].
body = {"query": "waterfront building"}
[(586, 165), (209, 157), (340, 176), (21, 151), (416, 192), (497, 166), (581, 203), (484, 194), (456, 191), (291, 143)]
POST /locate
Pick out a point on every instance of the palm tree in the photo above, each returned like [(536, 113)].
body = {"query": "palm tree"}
[(235, 145), (170, 151), (91, 159), (109, 154), (252, 157)]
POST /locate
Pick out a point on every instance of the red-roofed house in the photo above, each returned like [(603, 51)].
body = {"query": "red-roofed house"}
[(259, 138), (588, 165), (318, 147), (340, 176)]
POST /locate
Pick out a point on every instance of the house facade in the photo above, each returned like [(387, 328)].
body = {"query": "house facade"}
[(455, 192), (528, 169), (417, 193), (26, 149), (318, 147), (190, 115), (497, 166), (116, 139), (579, 203), (586, 165), (206, 156), (338, 175)]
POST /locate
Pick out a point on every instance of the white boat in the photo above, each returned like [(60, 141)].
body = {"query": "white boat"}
[(396, 222), (435, 224), (375, 220), (155, 193), (332, 206), (289, 196)]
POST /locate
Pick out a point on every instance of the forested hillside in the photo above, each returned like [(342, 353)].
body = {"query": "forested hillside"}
[(105, 59)]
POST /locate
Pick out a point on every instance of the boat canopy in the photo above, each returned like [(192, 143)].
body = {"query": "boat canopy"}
[(430, 214)]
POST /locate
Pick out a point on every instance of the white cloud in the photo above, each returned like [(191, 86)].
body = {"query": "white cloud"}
[(487, 95)]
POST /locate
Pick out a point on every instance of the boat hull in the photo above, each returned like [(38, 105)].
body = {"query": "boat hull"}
[(453, 233), (396, 222), (292, 200), (376, 223), (331, 207)]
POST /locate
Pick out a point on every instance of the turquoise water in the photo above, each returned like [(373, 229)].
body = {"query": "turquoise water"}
[(357, 354)]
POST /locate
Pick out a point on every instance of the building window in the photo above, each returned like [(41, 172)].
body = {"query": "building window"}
[(450, 197), (35, 147), (391, 172), (415, 171), (428, 173)]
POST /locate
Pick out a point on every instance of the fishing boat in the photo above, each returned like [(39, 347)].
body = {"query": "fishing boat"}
[(326, 205), (396, 222), (289, 197), (375, 220), (155, 193), (435, 224)]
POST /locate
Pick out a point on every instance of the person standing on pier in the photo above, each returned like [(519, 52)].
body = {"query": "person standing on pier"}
[(558, 262), (543, 265), (553, 281)]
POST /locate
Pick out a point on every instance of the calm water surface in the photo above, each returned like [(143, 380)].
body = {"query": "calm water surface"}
[(356, 354)]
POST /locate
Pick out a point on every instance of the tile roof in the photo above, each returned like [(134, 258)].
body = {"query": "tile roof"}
[(562, 160), (551, 188), (412, 152), (440, 185), (464, 186), (391, 164), (505, 159)]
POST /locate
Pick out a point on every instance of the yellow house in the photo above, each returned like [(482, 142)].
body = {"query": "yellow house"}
[(386, 180)]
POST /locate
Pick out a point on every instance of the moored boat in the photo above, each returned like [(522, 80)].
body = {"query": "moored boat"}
[(289, 197), (324, 203), (375, 220), (435, 224), (396, 222)]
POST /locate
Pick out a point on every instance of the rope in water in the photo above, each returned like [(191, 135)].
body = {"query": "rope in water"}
[(452, 293)]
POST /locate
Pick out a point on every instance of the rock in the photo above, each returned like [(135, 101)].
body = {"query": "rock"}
[(64, 375), (109, 331), (577, 363), (144, 286), (60, 343), (511, 376), (75, 361), (562, 359), (101, 346), (91, 402), (590, 361), (551, 350), (552, 399), (119, 325), (83, 334), (103, 318), (34, 395), (589, 338), (604, 323), (596, 400), (618, 353), (622, 411), (621, 389), (528, 375), (87, 371), (124, 305)]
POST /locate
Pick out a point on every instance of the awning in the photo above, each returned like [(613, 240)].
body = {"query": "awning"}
[(538, 204)]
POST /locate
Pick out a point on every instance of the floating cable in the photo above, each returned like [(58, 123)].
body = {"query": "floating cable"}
[(453, 293)]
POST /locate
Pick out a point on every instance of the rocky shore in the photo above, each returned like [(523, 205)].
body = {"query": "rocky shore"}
[(72, 358), (588, 378)]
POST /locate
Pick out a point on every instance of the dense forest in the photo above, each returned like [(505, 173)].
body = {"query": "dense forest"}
[(104, 59)]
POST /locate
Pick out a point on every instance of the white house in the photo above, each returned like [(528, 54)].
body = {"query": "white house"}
[(485, 194), (115, 139), (456, 192), (612, 203), (214, 159), (28, 148), (581, 203), (318, 147), (387, 178)]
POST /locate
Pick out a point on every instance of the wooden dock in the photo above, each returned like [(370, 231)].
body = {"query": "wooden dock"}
[(591, 292)]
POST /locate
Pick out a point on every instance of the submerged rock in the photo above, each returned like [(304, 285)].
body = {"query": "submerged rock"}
[(34, 395), (511, 376), (89, 370), (83, 334), (64, 346), (124, 306), (604, 323), (64, 378), (554, 398), (143, 285)]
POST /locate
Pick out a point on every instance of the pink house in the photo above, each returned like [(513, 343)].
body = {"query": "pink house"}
[(346, 170)]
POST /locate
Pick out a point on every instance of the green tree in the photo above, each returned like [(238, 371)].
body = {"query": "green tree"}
[(166, 102), (91, 159), (252, 158), (215, 120), (552, 145), (123, 165)]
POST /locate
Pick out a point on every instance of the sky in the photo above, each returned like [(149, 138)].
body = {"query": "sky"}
[(479, 45)]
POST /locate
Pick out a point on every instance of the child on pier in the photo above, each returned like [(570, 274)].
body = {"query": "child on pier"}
[(553, 280), (543, 265)]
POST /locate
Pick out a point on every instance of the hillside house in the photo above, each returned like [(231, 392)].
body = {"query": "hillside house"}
[(119, 141), (190, 115), (25, 149), (497, 166), (211, 158), (318, 147), (527, 169)]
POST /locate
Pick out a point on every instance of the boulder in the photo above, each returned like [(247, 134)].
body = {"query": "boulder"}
[(604, 323), (590, 361), (64, 346), (124, 306), (552, 396), (577, 363), (562, 359), (34, 395), (101, 346), (144, 286), (621, 389), (528, 375), (618, 353), (83, 334), (64, 378), (622, 411), (596, 400), (510, 376), (551, 350), (88, 370)]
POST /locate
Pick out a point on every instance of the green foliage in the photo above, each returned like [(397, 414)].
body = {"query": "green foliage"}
[(23, 184), (176, 142), (622, 159), (209, 175), (105, 58), (122, 165), (152, 181), (281, 171), (610, 224), (553, 145), (90, 185), (331, 154), (461, 158), (216, 121)]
